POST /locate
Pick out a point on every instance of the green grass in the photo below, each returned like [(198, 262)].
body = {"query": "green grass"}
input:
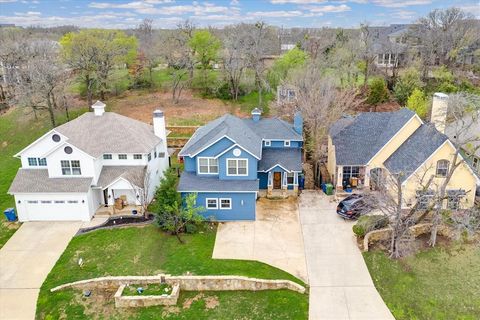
[(441, 284), (249, 101), (149, 251), (154, 289)]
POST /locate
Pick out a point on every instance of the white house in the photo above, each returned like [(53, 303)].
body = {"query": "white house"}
[(75, 169)]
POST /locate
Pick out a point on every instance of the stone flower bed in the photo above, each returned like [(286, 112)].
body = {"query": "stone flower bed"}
[(154, 295)]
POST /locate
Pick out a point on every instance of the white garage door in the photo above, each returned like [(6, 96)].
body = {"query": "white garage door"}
[(54, 209)]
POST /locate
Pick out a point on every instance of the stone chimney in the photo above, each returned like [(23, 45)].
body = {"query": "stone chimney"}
[(256, 113), (298, 122), (159, 125), (98, 108), (439, 111)]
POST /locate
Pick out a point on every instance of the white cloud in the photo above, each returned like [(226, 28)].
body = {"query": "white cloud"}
[(404, 14), (6, 1), (135, 5), (328, 8), (400, 4), (297, 1), (276, 14)]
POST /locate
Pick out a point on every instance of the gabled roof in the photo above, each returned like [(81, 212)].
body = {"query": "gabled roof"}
[(37, 181), (415, 150), (358, 141), (109, 133), (226, 126), (132, 174), (190, 182), (289, 159), (245, 132)]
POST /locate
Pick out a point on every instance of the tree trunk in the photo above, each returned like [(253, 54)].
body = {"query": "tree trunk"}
[(50, 111), (89, 83)]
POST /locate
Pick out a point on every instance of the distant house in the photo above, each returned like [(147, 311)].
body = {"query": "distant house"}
[(390, 44), (90, 164), (364, 150), (230, 160), (286, 94)]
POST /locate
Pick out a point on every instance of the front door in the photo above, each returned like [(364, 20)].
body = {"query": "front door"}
[(277, 180)]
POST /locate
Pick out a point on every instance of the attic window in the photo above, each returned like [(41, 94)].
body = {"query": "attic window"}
[(56, 137), (68, 150), (286, 143), (268, 143)]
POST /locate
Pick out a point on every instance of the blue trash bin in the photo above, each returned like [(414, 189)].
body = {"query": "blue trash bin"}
[(10, 214)]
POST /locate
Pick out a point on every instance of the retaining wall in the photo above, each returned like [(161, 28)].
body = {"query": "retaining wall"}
[(189, 283), (146, 301)]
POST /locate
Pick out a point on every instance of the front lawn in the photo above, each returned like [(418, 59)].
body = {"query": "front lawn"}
[(440, 283), (149, 251)]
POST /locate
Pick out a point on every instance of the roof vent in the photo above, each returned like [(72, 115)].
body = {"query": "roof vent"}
[(98, 108), (256, 113)]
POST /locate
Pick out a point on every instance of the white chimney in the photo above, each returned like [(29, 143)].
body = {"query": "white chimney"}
[(439, 111), (98, 108), (159, 125)]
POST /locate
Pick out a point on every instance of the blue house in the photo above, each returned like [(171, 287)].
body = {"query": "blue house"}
[(229, 160)]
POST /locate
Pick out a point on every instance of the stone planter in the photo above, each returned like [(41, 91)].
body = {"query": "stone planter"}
[(146, 301)]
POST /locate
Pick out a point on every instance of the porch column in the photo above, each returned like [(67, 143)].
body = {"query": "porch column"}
[(269, 183), (295, 182), (366, 179), (339, 177), (284, 181)]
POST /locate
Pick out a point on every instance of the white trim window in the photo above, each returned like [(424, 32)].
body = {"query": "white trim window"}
[(207, 165), (268, 143), (71, 167), (107, 156), (42, 162), (211, 203), (225, 203), (122, 156), (290, 178), (442, 168), (32, 162), (237, 167), (286, 143), (137, 156)]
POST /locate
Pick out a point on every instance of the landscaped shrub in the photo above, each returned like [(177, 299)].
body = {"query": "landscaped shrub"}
[(409, 81), (369, 223), (378, 92), (418, 102)]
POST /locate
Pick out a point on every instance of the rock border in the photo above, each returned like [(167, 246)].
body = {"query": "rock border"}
[(147, 300)]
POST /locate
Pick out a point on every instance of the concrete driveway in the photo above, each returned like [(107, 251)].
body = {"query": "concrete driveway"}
[(25, 261), (340, 284), (274, 238)]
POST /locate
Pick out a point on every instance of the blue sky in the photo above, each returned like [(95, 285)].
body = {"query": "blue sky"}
[(217, 13)]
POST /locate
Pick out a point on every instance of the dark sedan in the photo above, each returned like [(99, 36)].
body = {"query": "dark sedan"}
[(352, 207)]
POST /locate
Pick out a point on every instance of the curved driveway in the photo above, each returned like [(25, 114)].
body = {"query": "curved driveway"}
[(340, 284)]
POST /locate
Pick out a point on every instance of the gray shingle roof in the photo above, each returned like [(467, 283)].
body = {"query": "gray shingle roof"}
[(190, 182), (245, 132), (37, 181), (273, 128), (290, 159), (134, 174), (109, 133), (227, 125), (359, 141), (415, 150)]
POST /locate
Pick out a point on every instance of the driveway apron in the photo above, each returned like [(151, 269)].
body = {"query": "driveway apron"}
[(25, 261), (340, 284)]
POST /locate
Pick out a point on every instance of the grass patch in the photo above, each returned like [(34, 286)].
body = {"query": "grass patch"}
[(149, 251), (436, 284), (249, 101)]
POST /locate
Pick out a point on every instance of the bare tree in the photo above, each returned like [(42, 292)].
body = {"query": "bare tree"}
[(234, 56), (256, 50), (367, 54), (320, 103), (148, 46), (442, 34), (140, 182)]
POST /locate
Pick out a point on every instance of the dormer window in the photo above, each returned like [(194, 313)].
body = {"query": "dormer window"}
[(268, 143), (286, 143), (137, 156), (122, 156), (107, 156)]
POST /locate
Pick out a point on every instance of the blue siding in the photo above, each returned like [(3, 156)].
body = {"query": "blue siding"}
[(243, 206), (279, 144), (263, 176), (190, 164), (216, 148), (252, 165)]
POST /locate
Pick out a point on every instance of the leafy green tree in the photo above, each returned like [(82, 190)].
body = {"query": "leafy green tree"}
[(418, 102), (378, 92), (409, 80), (288, 61), (94, 53), (175, 214), (205, 47)]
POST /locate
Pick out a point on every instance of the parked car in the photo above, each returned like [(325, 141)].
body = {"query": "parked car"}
[(352, 207)]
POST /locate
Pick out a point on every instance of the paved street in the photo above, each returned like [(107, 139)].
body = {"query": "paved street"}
[(340, 284), (25, 261)]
